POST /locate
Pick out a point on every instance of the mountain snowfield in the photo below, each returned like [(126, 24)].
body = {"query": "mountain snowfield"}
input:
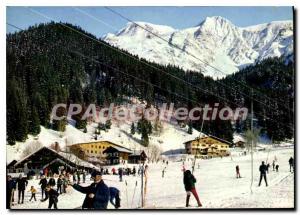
[(214, 43)]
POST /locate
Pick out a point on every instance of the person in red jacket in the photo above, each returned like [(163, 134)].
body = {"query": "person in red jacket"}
[(189, 184)]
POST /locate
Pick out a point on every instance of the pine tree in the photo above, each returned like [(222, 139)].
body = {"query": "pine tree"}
[(144, 128), (132, 129), (190, 128), (145, 138), (108, 124), (60, 125), (34, 122), (157, 127)]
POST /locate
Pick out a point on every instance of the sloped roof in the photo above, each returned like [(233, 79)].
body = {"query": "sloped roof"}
[(99, 141), (137, 152), (211, 136), (67, 156), (120, 149)]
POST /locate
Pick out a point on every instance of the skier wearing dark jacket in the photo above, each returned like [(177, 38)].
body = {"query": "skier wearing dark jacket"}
[(10, 187), (22, 183), (43, 183), (59, 184), (97, 194), (52, 196), (291, 163), (189, 185), (51, 182), (263, 169)]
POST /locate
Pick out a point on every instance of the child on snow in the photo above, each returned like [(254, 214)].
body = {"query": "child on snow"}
[(52, 196), (114, 194), (189, 185), (33, 192)]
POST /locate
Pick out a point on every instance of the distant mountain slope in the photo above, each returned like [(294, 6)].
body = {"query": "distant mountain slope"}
[(215, 41)]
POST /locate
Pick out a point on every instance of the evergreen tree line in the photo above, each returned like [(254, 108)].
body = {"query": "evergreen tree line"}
[(44, 69)]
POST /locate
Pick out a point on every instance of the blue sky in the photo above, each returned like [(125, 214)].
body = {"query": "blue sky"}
[(177, 17)]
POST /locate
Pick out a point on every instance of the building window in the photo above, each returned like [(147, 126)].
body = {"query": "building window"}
[(92, 146), (92, 151), (87, 151)]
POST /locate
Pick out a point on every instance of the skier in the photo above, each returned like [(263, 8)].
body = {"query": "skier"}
[(140, 170), (43, 183), (114, 194), (65, 184), (189, 185), (291, 162), (277, 168), (134, 171), (113, 171), (52, 196), (46, 172), (237, 169), (163, 172), (97, 194), (51, 182), (59, 184), (83, 176), (33, 192), (41, 173), (263, 169), (78, 177), (22, 184), (268, 166), (273, 165), (74, 177), (120, 171), (10, 187)]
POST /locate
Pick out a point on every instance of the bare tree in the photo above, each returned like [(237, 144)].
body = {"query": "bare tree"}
[(32, 147), (153, 152), (251, 136)]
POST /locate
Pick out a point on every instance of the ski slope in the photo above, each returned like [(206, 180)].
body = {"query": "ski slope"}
[(216, 185)]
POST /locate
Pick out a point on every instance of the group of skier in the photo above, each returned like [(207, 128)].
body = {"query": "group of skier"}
[(264, 169), (98, 194)]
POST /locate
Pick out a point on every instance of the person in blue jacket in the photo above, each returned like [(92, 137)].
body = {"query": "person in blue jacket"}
[(114, 194), (97, 194)]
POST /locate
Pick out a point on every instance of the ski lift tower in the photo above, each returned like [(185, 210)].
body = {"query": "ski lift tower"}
[(143, 158)]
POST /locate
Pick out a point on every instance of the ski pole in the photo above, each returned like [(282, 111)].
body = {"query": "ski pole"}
[(133, 193), (126, 193)]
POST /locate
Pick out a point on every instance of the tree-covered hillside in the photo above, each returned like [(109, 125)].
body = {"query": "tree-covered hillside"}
[(51, 63)]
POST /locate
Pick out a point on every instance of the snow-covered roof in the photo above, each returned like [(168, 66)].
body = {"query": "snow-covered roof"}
[(238, 138), (68, 156), (211, 136), (120, 149)]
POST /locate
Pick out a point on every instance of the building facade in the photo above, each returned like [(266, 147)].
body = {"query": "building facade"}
[(94, 152), (207, 147)]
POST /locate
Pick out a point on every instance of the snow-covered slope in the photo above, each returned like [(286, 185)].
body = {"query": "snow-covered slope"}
[(171, 138), (215, 41)]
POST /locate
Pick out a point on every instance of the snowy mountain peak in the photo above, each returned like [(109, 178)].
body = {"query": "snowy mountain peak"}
[(216, 41), (133, 28), (215, 20)]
